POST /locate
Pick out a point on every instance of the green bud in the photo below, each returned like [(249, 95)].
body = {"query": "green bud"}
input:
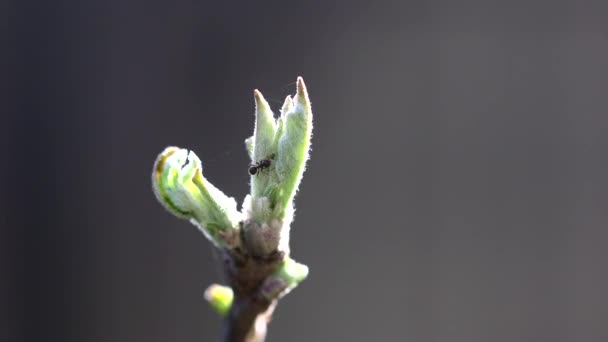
[(219, 298), (180, 187), (263, 149), (286, 144), (286, 278), (293, 148)]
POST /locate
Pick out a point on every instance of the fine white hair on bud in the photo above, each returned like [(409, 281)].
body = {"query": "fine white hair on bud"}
[(249, 147), (293, 146), (265, 128), (287, 105), (279, 151)]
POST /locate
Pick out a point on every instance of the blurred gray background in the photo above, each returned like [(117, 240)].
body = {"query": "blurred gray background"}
[(457, 189)]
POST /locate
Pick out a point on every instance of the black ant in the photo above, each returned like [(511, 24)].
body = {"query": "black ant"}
[(261, 165)]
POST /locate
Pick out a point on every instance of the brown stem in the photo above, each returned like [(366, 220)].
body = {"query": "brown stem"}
[(251, 311), (248, 320)]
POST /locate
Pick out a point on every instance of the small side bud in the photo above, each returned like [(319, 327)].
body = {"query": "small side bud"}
[(219, 298), (285, 279)]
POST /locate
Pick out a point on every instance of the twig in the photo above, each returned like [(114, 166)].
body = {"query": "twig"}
[(252, 307)]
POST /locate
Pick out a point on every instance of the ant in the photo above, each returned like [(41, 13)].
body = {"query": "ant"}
[(261, 165)]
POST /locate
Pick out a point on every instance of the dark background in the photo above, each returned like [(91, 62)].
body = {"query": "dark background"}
[(457, 189)]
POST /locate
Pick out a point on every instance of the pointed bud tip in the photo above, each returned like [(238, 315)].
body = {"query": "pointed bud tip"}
[(260, 101), (286, 105), (301, 85), (302, 93), (259, 98)]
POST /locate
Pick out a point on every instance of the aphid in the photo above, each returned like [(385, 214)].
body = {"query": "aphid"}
[(259, 166)]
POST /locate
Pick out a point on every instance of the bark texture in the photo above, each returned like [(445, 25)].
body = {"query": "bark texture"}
[(251, 310)]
